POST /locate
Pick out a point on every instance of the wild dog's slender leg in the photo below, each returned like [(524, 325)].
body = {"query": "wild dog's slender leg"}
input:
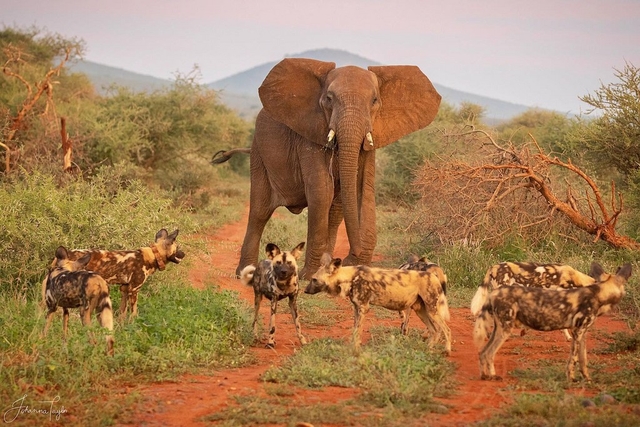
[(272, 323), (579, 352), (256, 307), (293, 307), (85, 315), (133, 302), (404, 318), (359, 312), (65, 321), (50, 314), (124, 297), (499, 335)]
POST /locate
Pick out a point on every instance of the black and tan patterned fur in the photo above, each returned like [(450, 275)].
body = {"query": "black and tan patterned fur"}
[(420, 264), (275, 278), (543, 309), (393, 289), (68, 285), (530, 274), (131, 268)]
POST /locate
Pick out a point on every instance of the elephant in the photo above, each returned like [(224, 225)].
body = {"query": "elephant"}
[(314, 147)]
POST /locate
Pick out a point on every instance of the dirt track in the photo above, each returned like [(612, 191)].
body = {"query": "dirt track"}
[(184, 402)]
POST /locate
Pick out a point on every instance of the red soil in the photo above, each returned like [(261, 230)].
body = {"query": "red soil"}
[(191, 397)]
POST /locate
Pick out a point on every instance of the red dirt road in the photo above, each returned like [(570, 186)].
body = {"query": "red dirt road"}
[(186, 401)]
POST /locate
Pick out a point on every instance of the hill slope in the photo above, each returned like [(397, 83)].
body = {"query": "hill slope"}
[(240, 91)]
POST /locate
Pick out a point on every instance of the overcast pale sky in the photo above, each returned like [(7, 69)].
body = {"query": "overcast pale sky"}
[(543, 53)]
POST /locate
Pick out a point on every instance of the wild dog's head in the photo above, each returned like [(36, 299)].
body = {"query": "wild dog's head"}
[(325, 279), (63, 262), (166, 249), (285, 264)]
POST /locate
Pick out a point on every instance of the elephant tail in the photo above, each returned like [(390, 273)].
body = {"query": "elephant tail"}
[(222, 155), (246, 275)]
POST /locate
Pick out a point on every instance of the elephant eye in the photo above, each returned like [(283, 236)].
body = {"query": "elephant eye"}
[(375, 100)]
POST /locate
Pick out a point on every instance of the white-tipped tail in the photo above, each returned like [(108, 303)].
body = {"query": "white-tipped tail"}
[(480, 329), (246, 275), (105, 317), (443, 308), (479, 299)]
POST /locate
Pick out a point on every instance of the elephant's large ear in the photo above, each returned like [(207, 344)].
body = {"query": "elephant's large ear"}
[(409, 102), (291, 92)]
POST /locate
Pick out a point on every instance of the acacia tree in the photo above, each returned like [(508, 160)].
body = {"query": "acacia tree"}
[(505, 187), (614, 136)]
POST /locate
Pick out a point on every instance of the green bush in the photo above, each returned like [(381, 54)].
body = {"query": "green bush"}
[(39, 215)]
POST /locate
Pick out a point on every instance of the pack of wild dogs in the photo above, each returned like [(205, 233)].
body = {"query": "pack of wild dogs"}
[(543, 297), (521, 295), (80, 278)]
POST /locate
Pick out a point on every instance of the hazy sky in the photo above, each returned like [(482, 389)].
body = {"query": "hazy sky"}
[(543, 53)]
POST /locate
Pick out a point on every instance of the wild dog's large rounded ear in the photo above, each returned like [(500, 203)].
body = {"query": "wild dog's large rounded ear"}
[(336, 263), (272, 250), (161, 234), (84, 260), (596, 270), (326, 259), (624, 271), (297, 250), (61, 253), (173, 236)]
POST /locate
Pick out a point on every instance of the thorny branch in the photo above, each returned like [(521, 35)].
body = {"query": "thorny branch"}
[(507, 188)]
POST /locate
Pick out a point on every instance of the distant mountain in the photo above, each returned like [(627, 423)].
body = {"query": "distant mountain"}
[(240, 91), (104, 76)]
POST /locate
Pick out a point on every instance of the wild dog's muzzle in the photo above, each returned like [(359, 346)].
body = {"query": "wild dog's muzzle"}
[(177, 257)]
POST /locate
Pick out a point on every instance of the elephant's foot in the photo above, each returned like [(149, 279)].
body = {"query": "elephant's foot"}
[(353, 260)]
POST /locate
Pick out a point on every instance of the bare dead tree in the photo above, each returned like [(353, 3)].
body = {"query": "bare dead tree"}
[(34, 93), (66, 145), (506, 186)]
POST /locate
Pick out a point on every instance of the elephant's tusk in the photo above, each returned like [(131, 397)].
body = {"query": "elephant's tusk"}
[(332, 133), (370, 138)]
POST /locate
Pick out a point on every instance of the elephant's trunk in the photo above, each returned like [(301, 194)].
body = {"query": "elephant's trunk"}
[(350, 139)]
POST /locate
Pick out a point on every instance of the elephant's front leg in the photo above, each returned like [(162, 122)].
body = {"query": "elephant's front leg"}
[(318, 227)]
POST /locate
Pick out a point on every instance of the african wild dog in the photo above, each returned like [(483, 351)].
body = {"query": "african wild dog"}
[(393, 289), (69, 286), (130, 269), (275, 278), (420, 264), (547, 310), (548, 276)]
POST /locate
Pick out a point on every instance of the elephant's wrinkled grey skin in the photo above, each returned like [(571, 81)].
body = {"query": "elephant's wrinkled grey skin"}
[(314, 146)]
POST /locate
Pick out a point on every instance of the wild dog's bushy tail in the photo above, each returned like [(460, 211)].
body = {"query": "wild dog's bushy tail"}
[(246, 275), (443, 308), (483, 322), (105, 317), (482, 295)]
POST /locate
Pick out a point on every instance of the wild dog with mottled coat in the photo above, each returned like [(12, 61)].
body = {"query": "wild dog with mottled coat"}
[(547, 276), (420, 264), (131, 268), (543, 309), (393, 289), (275, 278), (69, 286)]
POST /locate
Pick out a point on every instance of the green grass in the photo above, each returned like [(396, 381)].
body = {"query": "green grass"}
[(179, 330), (395, 378)]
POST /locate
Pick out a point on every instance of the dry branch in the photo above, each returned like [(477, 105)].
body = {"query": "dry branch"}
[(507, 188), (45, 86)]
